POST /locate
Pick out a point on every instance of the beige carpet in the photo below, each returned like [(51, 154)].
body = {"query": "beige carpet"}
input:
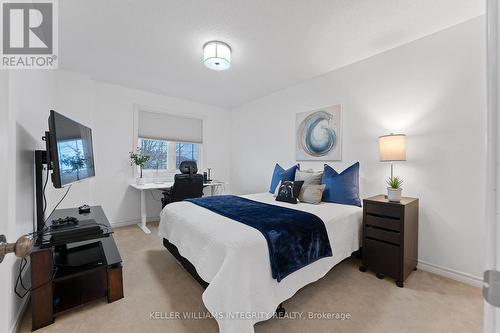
[(154, 281)]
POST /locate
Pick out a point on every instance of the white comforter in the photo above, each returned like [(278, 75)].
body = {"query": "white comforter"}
[(234, 258)]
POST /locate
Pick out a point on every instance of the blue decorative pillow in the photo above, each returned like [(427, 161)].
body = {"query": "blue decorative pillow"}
[(281, 174), (342, 188)]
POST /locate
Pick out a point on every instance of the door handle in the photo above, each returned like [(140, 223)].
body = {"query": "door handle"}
[(21, 248)]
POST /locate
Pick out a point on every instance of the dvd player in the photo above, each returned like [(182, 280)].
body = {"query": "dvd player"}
[(75, 232)]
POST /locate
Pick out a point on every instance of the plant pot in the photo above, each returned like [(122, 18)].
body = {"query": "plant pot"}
[(140, 181), (394, 194)]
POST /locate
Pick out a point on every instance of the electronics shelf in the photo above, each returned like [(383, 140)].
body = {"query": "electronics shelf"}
[(68, 274)]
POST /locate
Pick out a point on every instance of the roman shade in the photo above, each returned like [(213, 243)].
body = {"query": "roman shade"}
[(162, 126)]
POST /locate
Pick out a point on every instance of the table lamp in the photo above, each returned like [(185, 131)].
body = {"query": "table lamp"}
[(392, 148)]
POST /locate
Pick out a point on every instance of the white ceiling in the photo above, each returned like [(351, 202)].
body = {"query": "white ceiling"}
[(156, 45)]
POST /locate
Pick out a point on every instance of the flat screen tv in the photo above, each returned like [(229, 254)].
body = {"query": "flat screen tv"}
[(69, 150)]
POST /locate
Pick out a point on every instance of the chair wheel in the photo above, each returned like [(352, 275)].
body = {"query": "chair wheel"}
[(415, 269), (380, 276), (399, 284), (362, 269)]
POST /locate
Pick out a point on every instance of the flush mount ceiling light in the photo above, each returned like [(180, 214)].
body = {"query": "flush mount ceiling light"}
[(217, 55)]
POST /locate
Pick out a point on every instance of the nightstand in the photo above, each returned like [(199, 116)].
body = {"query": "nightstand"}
[(390, 237)]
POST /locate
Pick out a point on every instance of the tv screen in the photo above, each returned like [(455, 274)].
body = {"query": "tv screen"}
[(70, 150)]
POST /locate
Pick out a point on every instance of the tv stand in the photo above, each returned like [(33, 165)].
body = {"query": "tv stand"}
[(67, 275), (41, 160)]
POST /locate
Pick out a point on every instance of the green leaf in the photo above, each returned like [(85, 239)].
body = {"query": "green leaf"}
[(395, 182)]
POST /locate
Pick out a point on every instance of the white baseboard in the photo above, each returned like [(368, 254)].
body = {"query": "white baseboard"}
[(19, 317), (124, 223), (467, 278)]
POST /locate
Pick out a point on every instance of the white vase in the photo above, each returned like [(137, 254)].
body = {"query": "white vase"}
[(140, 181), (394, 194)]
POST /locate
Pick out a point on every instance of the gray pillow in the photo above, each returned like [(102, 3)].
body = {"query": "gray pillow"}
[(308, 177), (311, 193)]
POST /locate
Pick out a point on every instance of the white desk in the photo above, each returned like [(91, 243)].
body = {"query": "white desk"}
[(163, 186)]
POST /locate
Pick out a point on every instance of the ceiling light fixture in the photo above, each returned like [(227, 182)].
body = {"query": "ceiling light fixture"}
[(217, 55)]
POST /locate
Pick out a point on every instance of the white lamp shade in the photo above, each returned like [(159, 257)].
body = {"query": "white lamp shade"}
[(217, 55), (392, 147)]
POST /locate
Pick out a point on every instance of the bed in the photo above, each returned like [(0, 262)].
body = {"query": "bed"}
[(231, 259)]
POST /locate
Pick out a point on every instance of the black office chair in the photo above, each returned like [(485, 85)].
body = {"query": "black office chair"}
[(188, 184)]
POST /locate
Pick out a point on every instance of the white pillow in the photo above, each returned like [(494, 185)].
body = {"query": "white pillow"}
[(309, 177), (311, 193)]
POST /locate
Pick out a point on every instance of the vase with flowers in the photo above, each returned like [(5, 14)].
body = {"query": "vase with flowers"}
[(139, 159)]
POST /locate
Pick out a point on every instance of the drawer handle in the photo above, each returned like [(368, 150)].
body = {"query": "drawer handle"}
[(382, 241), (384, 217), (381, 228)]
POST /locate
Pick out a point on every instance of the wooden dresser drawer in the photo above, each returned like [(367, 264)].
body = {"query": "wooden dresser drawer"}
[(383, 210), (381, 222), (382, 257), (383, 235), (390, 237)]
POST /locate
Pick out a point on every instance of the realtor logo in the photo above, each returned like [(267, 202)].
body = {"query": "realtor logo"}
[(29, 34)]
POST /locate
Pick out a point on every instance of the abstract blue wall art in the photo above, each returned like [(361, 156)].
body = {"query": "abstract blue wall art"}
[(319, 134)]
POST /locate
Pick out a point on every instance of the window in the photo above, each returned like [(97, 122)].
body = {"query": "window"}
[(157, 150), (185, 152), (166, 156), (168, 140)]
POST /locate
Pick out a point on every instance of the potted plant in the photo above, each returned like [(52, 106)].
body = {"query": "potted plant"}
[(139, 160), (394, 190)]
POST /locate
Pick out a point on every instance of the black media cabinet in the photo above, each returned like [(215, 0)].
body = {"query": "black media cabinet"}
[(67, 275)]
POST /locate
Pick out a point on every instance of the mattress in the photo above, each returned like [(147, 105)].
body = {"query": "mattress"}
[(234, 257)]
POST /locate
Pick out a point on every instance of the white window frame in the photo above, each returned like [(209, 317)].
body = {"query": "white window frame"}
[(169, 174)]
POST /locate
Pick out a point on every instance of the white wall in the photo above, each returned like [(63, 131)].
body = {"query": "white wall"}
[(30, 95), (433, 90), (25, 100), (108, 110), (4, 273), (113, 129), (74, 97)]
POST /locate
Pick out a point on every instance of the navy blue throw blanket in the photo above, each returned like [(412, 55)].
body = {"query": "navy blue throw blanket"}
[(294, 238)]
